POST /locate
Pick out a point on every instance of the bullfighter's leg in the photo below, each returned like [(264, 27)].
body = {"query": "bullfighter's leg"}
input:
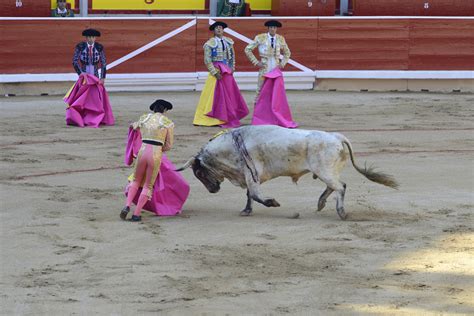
[(152, 155), (261, 79), (248, 208), (323, 198), (140, 170), (254, 190)]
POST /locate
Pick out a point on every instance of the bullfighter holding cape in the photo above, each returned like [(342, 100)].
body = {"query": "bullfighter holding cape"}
[(271, 104), (221, 102), (154, 185), (88, 102)]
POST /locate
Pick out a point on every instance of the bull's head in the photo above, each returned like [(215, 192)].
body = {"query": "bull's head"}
[(209, 178)]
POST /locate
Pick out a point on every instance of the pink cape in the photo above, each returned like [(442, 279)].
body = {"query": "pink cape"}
[(170, 190), (88, 103), (272, 105), (229, 105)]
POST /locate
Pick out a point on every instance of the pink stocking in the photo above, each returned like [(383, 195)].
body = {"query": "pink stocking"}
[(132, 191), (141, 202)]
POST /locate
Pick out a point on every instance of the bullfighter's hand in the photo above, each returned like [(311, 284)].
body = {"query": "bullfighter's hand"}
[(134, 125)]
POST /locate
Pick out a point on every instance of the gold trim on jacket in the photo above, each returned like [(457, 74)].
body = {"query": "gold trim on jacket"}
[(156, 127), (266, 51), (213, 53)]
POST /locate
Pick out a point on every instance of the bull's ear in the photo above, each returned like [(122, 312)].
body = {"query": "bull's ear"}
[(188, 164)]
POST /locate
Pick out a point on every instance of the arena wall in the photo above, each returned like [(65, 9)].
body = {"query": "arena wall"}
[(166, 53), (413, 7)]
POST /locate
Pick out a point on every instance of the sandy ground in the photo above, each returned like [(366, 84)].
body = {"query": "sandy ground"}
[(64, 250)]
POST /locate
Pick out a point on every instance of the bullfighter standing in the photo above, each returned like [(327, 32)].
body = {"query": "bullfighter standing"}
[(88, 100), (221, 102), (271, 105)]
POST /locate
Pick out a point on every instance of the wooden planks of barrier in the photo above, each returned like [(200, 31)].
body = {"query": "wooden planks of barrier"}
[(362, 44), (173, 55), (441, 44), (39, 46), (413, 8), (31, 8), (45, 46), (303, 7)]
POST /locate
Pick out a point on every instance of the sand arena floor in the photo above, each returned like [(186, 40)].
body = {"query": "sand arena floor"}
[(64, 250)]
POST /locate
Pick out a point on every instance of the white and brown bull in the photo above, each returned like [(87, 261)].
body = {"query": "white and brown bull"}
[(251, 155)]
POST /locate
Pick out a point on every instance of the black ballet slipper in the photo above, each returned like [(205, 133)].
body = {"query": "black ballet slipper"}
[(124, 212), (136, 218)]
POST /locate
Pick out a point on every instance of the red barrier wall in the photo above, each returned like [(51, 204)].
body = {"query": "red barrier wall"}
[(441, 44), (40, 8), (414, 7), (363, 44), (301, 8), (33, 46), (46, 45)]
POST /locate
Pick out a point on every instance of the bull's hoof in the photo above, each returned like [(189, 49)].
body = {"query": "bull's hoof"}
[(271, 203), (246, 213), (321, 205), (342, 214)]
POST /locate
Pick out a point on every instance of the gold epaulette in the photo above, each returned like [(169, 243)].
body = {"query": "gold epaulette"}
[(281, 38), (262, 37), (211, 42), (166, 122), (229, 40)]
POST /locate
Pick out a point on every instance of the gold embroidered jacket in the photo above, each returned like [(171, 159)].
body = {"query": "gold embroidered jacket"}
[(213, 52), (266, 51), (156, 127)]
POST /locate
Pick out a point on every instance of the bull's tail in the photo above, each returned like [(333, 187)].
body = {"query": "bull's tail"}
[(369, 172)]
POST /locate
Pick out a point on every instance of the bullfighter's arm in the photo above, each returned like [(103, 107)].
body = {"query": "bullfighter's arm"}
[(141, 121), (103, 63), (232, 63), (248, 51), (169, 139), (286, 53), (75, 60), (208, 61)]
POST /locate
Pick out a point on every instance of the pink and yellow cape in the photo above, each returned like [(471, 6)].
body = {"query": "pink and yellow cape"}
[(221, 102)]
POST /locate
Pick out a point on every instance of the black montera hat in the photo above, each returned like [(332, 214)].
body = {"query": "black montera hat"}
[(90, 32), (273, 23), (163, 103), (216, 24)]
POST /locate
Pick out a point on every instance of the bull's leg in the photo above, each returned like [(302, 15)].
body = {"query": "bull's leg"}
[(323, 198), (340, 202), (248, 208), (254, 191), (333, 183)]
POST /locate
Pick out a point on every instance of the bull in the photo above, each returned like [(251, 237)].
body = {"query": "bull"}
[(251, 155)]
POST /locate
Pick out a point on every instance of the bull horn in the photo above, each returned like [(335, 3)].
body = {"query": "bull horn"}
[(187, 164)]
